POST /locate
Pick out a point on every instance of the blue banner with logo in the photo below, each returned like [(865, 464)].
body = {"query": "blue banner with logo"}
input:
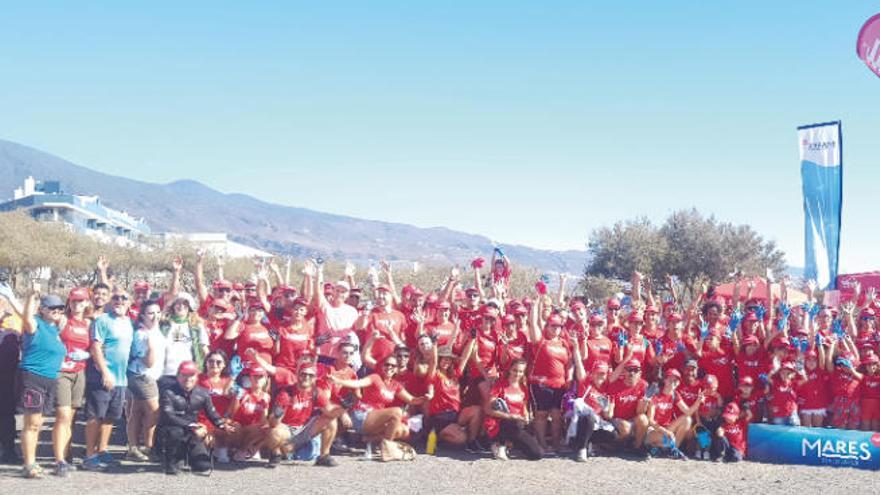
[(821, 154), (814, 446)]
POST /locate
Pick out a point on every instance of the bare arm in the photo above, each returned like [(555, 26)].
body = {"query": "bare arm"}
[(201, 291)]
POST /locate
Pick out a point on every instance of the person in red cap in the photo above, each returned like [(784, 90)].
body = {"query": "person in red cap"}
[(384, 327), (303, 421), (613, 320), (181, 435), (514, 344), (250, 412), (295, 334), (220, 289), (597, 346), (452, 424), (334, 320), (551, 357), (751, 360), (632, 343), (845, 409), (216, 380), (813, 392), (592, 409), (669, 418), (782, 397), (220, 315), (627, 391), (141, 291), (507, 415), (751, 406), (71, 382), (730, 442), (869, 392), (672, 349), (442, 329), (252, 334), (469, 316), (715, 355)]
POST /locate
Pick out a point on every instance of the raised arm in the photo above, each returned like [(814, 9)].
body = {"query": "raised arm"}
[(386, 267), (171, 294), (201, 290), (102, 270)]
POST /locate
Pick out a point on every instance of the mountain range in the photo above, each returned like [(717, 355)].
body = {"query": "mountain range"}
[(190, 206)]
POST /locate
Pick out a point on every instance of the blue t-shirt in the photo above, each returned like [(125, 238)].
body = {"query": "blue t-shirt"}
[(115, 333), (43, 351)]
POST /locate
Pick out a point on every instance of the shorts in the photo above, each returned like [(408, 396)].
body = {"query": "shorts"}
[(438, 422), (870, 409), (815, 412), (792, 420), (103, 404), (844, 411), (546, 398), (70, 389), (37, 393), (358, 418), (142, 387), (308, 452)]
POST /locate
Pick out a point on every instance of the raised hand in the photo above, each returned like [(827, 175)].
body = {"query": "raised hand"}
[(177, 264), (350, 269), (102, 263)]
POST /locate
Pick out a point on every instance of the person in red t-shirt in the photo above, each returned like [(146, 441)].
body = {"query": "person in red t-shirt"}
[(813, 394), (731, 435), (70, 385), (671, 350), (592, 409), (627, 392), (551, 357), (669, 418), (870, 393), (506, 411), (751, 361), (219, 317), (443, 329), (249, 411), (373, 415), (514, 343), (782, 396), (716, 358), (300, 413), (216, 380), (252, 334), (296, 334), (384, 326), (451, 423), (845, 408), (752, 408)]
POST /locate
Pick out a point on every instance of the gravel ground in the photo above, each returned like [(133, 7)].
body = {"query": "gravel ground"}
[(462, 473)]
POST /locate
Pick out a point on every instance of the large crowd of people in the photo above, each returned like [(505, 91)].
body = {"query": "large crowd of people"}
[(265, 371)]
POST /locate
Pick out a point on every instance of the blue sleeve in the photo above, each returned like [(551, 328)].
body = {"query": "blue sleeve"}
[(99, 330)]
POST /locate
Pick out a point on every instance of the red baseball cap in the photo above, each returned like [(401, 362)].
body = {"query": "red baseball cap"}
[(521, 310), (650, 309), (599, 367), (250, 285), (256, 304), (554, 320), (673, 373), (141, 285), (442, 305), (635, 318), (383, 287), (871, 359), (674, 318), (633, 363), (471, 290), (596, 319), (577, 304), (789, 365), (255, 370), (222, 284), (78, 294), (613, 303), (187, 368), (432, 298), (751, 340), (238, 286), (417, 292), (489, 311), (308, 368), (508, 320), (746, 380)]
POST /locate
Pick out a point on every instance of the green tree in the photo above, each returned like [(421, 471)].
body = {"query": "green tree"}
[(628, 246)]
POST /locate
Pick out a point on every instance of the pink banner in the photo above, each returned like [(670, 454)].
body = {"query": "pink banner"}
[(868, 44)]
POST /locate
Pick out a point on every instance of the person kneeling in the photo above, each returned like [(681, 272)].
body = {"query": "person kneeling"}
[(303, 420), (180, 433)]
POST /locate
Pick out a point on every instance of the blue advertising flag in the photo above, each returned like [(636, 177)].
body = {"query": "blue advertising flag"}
[(814, 446), (821, 154)]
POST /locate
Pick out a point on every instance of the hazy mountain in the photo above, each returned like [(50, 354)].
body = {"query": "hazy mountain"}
[(189, 206)]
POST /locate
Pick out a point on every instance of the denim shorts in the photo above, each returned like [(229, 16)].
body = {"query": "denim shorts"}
[(358, 418), (308, 452), (793, 420)]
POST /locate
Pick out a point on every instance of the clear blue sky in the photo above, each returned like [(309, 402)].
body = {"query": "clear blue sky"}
[(529, 122)]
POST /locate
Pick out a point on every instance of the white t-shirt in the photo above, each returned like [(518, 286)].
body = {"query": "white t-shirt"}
[(179, 345), (337, 323), (143, 338)]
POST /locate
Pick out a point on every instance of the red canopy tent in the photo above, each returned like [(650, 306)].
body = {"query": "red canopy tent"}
[(760, 292)]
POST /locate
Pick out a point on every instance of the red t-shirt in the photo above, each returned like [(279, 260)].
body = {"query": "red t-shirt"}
[(378, 395), (516, 397), (255, 336), (412, 383), (843, 384), (748, 404), (664, 409), (593, 397), (712, 404), (486, 353), (870, 387), (293, 342), (219, 397), (389, 324), (718, 362), (735, 433), (782, 398), (517, 348), (442, 332), (550, 363), (216, 342), (689, 393), (252, 408), (299, 404), (75, 336), (598, 349), (674, 350), (469, 319), (447, 395), (626, 397), (641, 350), (752, 366), (813, 393), (337, 392)]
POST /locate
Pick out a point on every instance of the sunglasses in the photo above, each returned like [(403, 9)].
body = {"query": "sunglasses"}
[(389, 365), (215, 362), (56, 309), (224, 290), (633, 370), (306, 375), (119, 298)]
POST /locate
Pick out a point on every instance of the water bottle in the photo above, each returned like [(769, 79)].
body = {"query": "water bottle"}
[(431, 448)]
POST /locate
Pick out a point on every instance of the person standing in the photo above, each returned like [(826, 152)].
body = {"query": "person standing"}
[(106, 380)]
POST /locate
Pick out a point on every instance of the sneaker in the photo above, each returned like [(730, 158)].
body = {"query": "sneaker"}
[(136, 455), (108, 459), (222, 455), (33, 471), (706, 456), (93, 463), (256, 456), (326, 461), (581, 455), (470, 448), (481, 448), (678, 454), (62, 469), (274, 460), (500, 452), (173, 468)]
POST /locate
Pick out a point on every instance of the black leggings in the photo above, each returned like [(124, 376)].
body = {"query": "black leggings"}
[(513, 432), (586, 431)]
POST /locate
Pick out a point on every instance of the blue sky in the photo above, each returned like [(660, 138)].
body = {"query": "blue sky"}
[(529, 122)]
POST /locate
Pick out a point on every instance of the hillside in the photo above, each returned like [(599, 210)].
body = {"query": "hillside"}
[(190, 206)]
